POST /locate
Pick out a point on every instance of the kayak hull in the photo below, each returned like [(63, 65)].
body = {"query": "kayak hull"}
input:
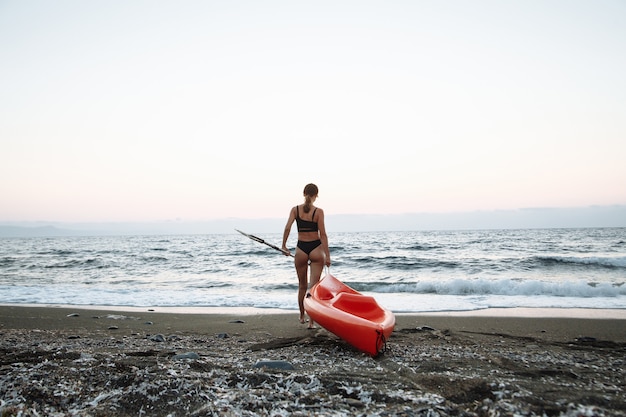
[(356, 318)]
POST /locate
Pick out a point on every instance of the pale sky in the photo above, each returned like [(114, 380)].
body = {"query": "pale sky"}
[(197, 110)]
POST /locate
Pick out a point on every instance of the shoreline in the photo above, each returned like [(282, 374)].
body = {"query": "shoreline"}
[(559, 325), (517, 312)]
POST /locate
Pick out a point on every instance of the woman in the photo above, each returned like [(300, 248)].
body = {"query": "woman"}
[(312, 244)]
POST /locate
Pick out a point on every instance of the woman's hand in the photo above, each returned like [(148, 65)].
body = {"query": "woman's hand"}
[(286, 251)]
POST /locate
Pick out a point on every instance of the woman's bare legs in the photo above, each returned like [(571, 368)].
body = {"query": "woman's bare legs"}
[(302, 269), (317, 258)]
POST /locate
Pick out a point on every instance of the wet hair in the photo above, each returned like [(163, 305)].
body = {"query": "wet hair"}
[(310, 191)]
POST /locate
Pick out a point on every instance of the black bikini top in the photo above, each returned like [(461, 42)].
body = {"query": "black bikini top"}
[(306, 225)]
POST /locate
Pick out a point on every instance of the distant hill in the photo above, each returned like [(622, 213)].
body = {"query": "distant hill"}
[(38, 231), (530, 218)]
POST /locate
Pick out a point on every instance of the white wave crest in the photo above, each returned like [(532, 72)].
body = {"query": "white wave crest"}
[(507, 287)]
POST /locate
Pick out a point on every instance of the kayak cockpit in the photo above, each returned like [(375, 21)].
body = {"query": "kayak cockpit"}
[(358, 305)]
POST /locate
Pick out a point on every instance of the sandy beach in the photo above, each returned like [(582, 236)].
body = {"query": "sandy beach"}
[(59, 361)]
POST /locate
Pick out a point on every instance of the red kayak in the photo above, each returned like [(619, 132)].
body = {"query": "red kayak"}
[(354, 317)]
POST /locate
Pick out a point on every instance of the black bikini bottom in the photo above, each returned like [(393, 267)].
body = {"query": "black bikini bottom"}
[(308, 247)]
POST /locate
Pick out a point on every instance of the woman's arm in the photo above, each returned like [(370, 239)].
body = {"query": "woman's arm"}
[(321, 226), (290, 220)]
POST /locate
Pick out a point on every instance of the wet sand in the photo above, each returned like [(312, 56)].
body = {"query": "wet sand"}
[(98, 361)]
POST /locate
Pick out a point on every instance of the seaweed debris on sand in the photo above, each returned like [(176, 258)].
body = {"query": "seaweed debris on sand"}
[(427, 371)]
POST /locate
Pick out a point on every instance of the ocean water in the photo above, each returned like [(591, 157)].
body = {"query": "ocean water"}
[(422, 271)]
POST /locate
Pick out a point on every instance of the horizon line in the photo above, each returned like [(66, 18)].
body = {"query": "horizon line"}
[(230, 218), (532, 218)]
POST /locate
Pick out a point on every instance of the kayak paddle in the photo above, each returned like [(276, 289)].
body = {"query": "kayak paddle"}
[(258, 239)]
